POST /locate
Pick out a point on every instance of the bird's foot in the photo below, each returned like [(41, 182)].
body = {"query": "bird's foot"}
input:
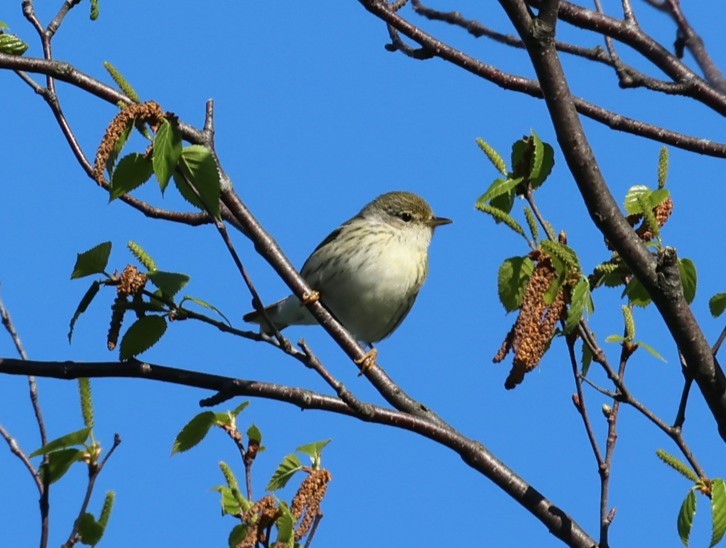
[(310, 297), (367, 361)]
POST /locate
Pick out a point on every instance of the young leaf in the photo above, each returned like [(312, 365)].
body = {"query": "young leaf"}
[(537, 177), (636, 293), (93, 261), (74, 438), (131, 172), (237, 535), (614, 339), (254, 434), (662, 167), (586, 359), (84, 388), (634, 197), (685, 517), (122, 82), (194, 432), (717, 304), (142, 256), (289, 465), (89, 529), (580, 301), (12, 45), (241, 407), (514, 275), (718, 510), (142, 335), (229, 502), (197, 167), (167, 151), (314, 450), (205, 304), (59, 462), (170, 283), (652, 351), (501, 217), (497, 188), (689, 279), (285, 522), (83, 306), (493, 155)]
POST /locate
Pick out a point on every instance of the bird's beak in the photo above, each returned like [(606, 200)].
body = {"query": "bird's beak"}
[(438, 221)]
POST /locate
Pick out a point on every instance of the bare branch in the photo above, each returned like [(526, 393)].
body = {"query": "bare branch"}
[(471, 451)]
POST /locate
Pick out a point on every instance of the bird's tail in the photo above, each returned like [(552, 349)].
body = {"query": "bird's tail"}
[(272, 313)]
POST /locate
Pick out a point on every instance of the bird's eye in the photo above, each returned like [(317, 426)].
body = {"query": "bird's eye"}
[(406, 216)]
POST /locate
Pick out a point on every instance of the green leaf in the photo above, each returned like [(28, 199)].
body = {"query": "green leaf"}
[(254, 434), (493, 155), (504, 202), (122, 82), (314, 451), (12, 45), (83, 305), (615, 338), (285, 522), (229, 502), (538, 175), (659, 196), (95, 10), (717, 304), (131, 172), (142, 335), (170, 283), (84, 388), (586, 359), (685, 517), (521, 157), (689, 279), (289, 465), (78, 437), (662, 167), (237, 535), (194, 432), (167, 151), (634, 197), (241, 407), (718, 510), (142, 256), (652, 351), (59, 462), (497, 188), (3, 25), (198, 168), (580, 301), (93, 261), (89, 529), (514, 275), (501, 217), (636, 293), (206, 305)]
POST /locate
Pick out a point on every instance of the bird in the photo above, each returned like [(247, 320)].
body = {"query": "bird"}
[(367, 272)]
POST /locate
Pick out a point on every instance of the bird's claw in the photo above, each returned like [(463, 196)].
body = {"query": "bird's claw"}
[(367, 361), (310, 297)]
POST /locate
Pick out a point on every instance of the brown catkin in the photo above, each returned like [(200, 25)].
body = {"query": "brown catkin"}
[(306, 504), (535, 326), (150, 112), (260, 516), (131, 282)]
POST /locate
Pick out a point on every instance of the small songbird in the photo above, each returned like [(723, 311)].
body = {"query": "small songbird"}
[(369, 271)]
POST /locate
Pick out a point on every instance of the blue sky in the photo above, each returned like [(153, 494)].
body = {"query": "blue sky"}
[(314, 119)]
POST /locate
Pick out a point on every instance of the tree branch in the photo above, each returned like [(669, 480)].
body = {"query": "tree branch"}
[(472, 452)]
